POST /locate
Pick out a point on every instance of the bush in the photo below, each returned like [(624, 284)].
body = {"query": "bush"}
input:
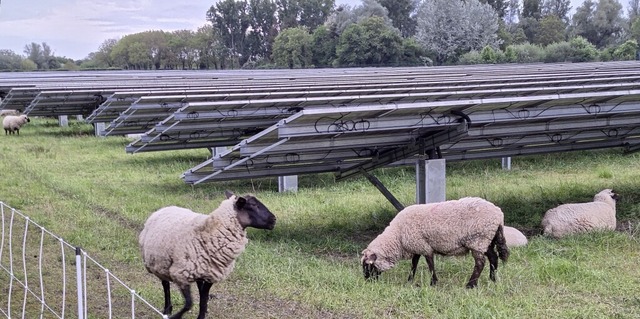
[(489, 55), (583, 50), (527, 53), (473, 57), (558, 52), (626, 51)]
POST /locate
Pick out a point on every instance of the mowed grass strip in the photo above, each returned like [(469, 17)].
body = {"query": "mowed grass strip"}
[(87, 190)]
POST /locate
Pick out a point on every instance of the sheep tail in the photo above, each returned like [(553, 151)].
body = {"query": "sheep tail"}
[(501, 244)]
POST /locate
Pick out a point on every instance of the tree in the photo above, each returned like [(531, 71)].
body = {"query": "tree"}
[(102, 57), (323, 46), (511, 13), (552, 29), (557, 8), (608, 22), (633, 10), (34, 53), (500, 6), (263, 29), (532, 9), (292, 48), (599, 23), (181, 49), (232, 21), (345, 16), (370, 42), (314, 13), (447, 29), (211, 52), (626, 51), (10, 60), (402, 15), (582, 21), (412, 52)]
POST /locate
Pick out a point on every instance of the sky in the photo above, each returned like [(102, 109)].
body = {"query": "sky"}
[(75, 28)]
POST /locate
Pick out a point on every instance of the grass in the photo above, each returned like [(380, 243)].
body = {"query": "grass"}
[(91, 193)]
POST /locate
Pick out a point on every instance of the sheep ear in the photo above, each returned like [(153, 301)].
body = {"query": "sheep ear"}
[(240, 202), (228, 194)]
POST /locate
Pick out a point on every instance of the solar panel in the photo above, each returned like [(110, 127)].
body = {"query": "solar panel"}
[(374, 136)]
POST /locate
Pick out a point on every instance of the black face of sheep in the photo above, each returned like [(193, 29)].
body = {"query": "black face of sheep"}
[(252, 213), (615, 196), (369, 268)]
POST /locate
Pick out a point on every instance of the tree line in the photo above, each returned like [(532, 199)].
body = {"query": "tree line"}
[(317, 33)]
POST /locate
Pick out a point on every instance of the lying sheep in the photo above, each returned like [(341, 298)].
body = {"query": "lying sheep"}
[(514, 237), (181, 246), (13, 123), (6, 112), (576, 218), (448, 228)]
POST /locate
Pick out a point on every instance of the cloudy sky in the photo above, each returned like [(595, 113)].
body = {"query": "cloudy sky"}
[(74, 28)]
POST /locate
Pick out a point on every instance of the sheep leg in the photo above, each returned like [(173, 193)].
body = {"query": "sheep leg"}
[(414, 266), (493, 262), (203, 288), (168, 307), (432, 269), (477, 269), (188, 302)]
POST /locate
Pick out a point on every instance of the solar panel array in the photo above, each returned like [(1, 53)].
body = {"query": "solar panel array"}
[(291, 122)]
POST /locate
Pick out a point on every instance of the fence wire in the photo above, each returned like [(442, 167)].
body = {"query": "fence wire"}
[(43, 276)]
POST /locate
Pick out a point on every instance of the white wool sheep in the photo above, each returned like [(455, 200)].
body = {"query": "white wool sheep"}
[(576, 218), (13, 123), (6, 112), (514, 237), (181, 246), (448, 228)]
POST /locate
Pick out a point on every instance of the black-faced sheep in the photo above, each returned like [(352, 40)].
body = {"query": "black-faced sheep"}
[(448, 228), (181, 246), (12, 123), (576, 218)]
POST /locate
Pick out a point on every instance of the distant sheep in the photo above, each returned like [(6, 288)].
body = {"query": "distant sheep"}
[(448, 228), (576, 218), (181, 246), (514, 237), (12, 123), (6, 112)]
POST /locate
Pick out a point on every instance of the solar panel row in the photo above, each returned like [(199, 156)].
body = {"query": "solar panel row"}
[(289, 122)]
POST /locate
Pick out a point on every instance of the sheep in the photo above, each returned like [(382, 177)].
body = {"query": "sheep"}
[(576, 218), (13, 123), (182, 246), (514, 237), (6, 112), (448, 228)]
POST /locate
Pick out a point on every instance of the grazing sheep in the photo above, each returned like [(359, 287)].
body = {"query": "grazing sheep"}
[(448, 228), (13, 123), (6, 112), (575, 218), (181, 246), (514, 237)]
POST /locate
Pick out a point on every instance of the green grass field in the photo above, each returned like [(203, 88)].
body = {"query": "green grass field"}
[(91, 193)]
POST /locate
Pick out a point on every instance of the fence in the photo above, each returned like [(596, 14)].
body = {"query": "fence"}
[(43, 276)]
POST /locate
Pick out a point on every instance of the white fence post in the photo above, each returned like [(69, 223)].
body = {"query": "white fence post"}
[(79, 283)]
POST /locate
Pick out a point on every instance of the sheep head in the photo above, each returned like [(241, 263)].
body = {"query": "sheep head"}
[(604, 196), (369, 268), (251, 212)]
